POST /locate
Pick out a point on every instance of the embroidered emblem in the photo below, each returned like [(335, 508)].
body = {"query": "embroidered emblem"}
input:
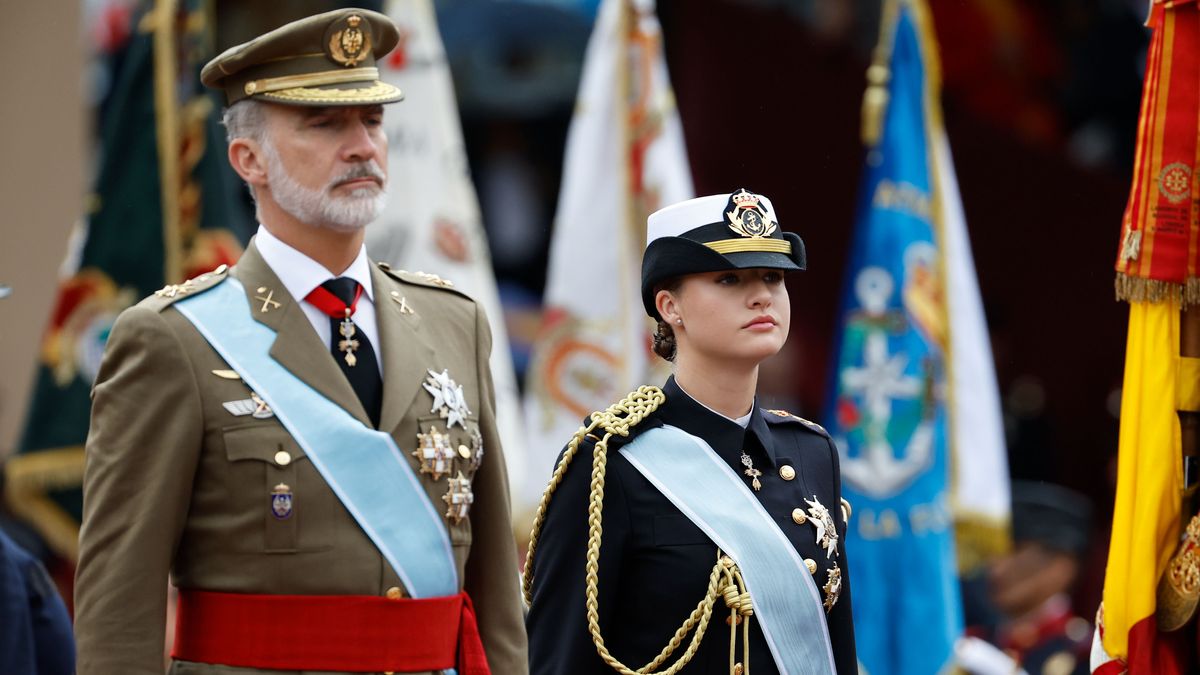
[(1175, 182), (172, 290), (458, 498), (832, 587), (403, 302), (434, 452), (448, 399), (253, 406), (434, 279), (269, 302), (827, 537), (748, 217), (351, 45), (281, 501)]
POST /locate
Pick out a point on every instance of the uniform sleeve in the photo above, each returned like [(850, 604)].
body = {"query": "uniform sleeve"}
[(841, 617), (492, 578), (559, 640), (142, 448)]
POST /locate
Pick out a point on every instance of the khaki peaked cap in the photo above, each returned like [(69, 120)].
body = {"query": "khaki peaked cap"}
[(323, 60)]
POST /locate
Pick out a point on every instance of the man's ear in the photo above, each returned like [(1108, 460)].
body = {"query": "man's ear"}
[(247, 159)]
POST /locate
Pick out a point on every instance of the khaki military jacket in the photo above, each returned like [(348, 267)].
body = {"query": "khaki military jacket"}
[(175, 483)]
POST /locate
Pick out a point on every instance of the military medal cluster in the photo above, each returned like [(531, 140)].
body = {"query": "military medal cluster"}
[(435, 449)]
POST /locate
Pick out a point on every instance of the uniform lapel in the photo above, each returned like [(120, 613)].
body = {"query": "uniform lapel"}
[(405, 351), (296, 345)]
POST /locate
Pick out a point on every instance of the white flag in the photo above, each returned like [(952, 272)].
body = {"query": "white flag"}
[(432, 222), (625, 158), (980, 495)]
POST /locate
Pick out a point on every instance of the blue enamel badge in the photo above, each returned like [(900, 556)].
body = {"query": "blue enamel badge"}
[(281, 502)]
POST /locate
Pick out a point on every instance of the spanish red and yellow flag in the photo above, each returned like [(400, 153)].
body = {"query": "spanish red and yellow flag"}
[(1156, 274)]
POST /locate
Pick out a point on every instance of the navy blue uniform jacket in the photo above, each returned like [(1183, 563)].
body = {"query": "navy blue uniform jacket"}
[(655, 564)]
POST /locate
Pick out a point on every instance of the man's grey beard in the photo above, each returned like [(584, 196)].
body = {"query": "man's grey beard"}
[(346, 213)]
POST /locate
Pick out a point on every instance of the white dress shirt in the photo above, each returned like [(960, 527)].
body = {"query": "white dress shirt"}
[(300, 274)]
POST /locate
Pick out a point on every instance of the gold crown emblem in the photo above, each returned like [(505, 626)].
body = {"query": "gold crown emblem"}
[(745, 200), (749, 218), (352, 44)]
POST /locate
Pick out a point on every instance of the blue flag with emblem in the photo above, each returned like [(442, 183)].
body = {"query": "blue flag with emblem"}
[(914, 374)]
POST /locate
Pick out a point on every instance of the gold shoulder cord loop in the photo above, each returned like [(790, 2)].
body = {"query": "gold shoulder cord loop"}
[(724, 581)]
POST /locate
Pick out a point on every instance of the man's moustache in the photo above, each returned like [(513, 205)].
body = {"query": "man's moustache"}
[(370, 170)]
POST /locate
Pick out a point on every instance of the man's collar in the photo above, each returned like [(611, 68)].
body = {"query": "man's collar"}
[(300, 274), (685, 412)]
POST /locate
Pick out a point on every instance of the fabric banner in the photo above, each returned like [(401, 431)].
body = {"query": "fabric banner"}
[(916, 414), (163, 210), (1146, 513), (1156, 259), (625, 158), (1156, 273), (432, 222)]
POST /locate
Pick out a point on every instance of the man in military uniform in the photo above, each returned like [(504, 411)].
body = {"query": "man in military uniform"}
[(306, 442)]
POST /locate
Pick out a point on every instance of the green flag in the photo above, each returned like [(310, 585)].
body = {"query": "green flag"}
[(165, 207)]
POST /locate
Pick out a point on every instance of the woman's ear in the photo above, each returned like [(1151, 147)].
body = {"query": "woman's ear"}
[(247, 159), (667, 305)]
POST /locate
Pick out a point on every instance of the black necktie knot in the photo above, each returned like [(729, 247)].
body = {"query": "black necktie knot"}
[(344, 288)]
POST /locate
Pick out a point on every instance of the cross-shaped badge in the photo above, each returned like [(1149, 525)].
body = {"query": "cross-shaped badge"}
[(268, 303), (458, 498), (434, 452)]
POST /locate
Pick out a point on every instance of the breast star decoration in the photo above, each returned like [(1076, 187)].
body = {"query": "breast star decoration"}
[(827, 537), (448, 398)]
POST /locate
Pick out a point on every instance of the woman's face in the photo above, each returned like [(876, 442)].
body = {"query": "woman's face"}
[(740, 315)]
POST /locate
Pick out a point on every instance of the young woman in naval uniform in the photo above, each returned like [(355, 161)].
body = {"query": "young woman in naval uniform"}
[(685, 529)]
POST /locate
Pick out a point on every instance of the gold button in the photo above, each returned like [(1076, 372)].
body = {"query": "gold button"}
[(738, 669), (394, 593), (799, 517), (786, 472), (251, 87), (282, 458), (811, 565), (464, 452)]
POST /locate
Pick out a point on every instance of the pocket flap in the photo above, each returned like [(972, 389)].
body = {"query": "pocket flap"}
[(262, 442)]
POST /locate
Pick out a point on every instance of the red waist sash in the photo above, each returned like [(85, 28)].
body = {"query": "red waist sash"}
[(357, 633)]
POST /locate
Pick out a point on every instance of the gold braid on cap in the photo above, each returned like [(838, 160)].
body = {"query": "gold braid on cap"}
[(725, 581)]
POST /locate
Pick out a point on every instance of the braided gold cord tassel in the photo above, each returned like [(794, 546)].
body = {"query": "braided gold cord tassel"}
[(617, 420)]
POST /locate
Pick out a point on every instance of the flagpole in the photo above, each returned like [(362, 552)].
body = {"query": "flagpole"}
[(166, 122)]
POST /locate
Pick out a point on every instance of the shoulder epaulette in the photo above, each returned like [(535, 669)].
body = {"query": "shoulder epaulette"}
[(785, 416), (420, 278), (167, 295)]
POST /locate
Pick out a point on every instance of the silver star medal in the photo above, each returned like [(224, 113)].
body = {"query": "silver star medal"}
[(827, 537), (448, 399)]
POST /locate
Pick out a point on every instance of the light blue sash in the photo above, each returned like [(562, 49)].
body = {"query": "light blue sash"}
[(363, 466), (701, 485)]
